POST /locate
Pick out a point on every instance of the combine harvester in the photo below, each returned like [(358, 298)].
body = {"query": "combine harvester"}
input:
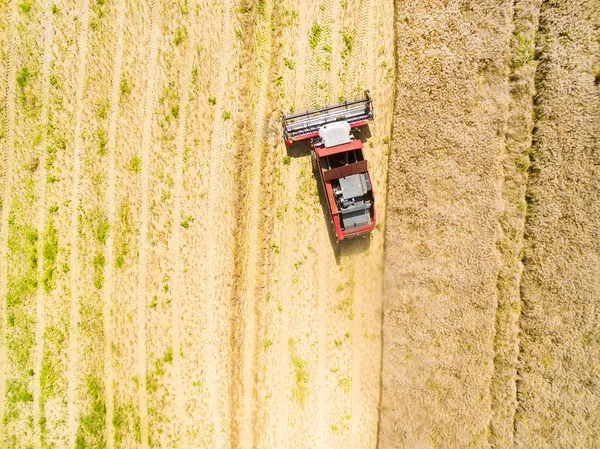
[(340, 162)]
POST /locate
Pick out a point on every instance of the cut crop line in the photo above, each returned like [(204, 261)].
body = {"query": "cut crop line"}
[(110, 195), (253, 241), (176, 257), (74, 266), (215, 250), (143, 248), (41, 220), (8, 164)]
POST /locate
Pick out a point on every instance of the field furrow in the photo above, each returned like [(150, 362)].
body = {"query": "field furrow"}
[(515, 166), (7, 92), (42, 207), (250, 248), (144, 250), (110, 196), (75, 268), (19, 207)]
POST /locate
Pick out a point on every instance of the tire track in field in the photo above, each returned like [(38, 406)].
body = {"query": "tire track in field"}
[(320, 56), (176, 256), (8, 163), (251, 240), (217, 248), (48, 35), (358, 55), (144, 217), (111, 212), (73, 362)]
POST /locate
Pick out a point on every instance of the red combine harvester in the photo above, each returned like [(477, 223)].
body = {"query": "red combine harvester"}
[(339, 159)]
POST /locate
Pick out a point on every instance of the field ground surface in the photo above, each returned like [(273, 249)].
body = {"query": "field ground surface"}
[(168, 274)]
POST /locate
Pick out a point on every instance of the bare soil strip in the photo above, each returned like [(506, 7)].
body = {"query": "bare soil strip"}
[(142, 278), (74, 261), (111, 212), (559, 362), (41, 225), (8, 96), (515, 166)]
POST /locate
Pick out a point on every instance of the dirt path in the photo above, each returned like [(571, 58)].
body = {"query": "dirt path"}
[(74, 258)]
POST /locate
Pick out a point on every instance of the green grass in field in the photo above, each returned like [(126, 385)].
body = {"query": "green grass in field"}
[(91, 427)]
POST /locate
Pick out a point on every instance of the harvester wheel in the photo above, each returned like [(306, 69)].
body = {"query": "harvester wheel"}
[(313, 159)]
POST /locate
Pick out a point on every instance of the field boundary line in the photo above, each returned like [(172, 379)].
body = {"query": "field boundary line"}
[(178, 289), (144, 215), (9, 141), (41, 220), (110, 198), (73, 253)]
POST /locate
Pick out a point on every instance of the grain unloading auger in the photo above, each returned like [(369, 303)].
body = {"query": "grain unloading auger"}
[(339, 162), (306, 125)]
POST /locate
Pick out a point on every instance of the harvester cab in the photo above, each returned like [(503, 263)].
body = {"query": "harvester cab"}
[(339, 160)]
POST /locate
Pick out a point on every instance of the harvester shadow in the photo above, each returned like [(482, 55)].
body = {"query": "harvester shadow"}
[(335, 245), (363, 133), (300, 148)]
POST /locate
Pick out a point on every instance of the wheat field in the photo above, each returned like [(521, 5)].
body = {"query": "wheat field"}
[(168, 274), (490, 323)]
